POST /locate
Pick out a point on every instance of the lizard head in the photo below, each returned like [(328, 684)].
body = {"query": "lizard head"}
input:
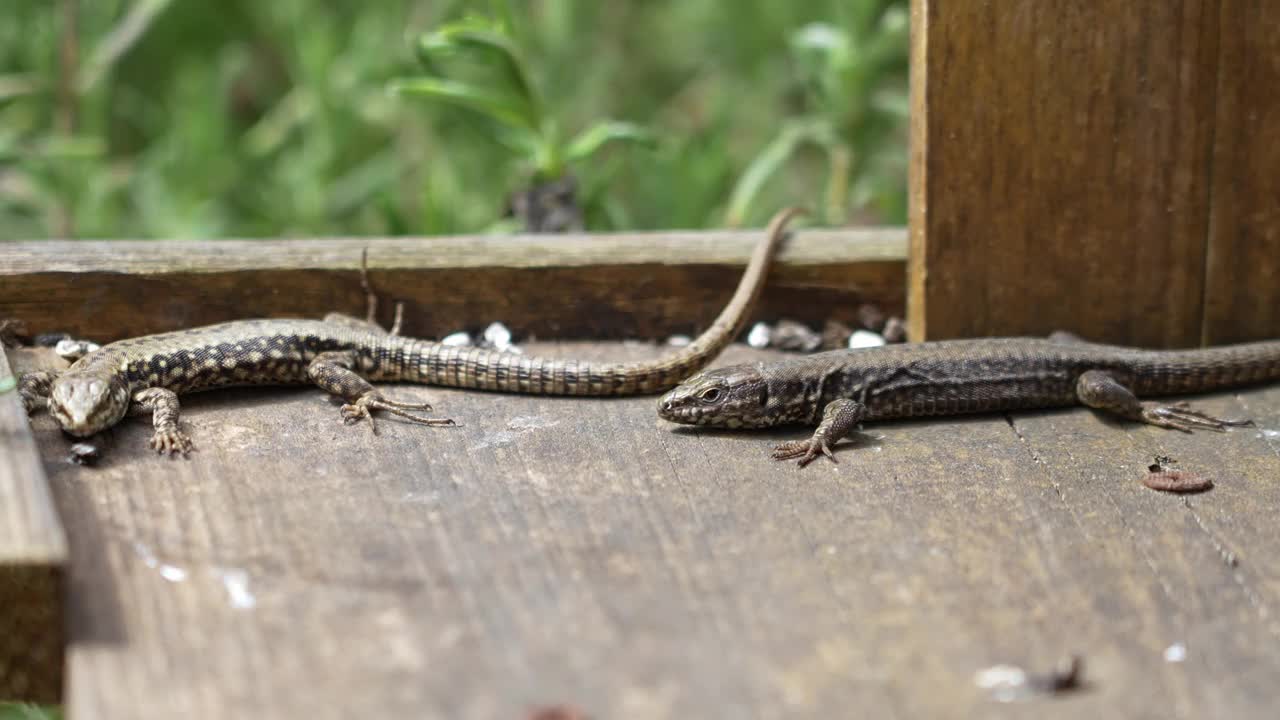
[(732, 397), (85, 403)]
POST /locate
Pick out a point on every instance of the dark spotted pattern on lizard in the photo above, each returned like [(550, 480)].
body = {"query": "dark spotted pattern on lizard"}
[(341, 355), (839, 389)]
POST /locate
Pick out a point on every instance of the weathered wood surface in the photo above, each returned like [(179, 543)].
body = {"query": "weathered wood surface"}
[(33, 552), (1242, 299), (1062, 158), (600, 286), (581, 551)]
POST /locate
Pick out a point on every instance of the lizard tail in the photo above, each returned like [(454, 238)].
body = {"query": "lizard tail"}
[(470, 367)]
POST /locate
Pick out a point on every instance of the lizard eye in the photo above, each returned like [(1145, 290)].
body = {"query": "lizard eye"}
[(710, 395)]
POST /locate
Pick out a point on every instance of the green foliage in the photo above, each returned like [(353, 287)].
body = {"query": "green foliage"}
[(855, 110), (183, 118), (26, 711), (504, 94)]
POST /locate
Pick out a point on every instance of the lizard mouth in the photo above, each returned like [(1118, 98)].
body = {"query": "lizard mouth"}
[(671, 412)]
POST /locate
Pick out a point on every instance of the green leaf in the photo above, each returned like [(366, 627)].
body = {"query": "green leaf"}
[(117, 43), (15, 85), (589, 141), (770, 161), (485, 36), (502, 108), (504, 18)]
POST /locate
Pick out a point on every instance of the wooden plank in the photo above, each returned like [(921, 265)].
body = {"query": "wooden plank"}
[(33, 551), (1242, 301), (558, 550), (602, 286), (1061, 160), (1206, 563)]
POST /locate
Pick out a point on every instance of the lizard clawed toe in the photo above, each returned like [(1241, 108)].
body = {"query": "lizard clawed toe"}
[(388, 404), (171, 442), (362, 409), (1180, 416), (353, 413), (806, 450)]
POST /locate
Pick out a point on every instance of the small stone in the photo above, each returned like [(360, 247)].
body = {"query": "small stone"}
[(680, 340), (864, 339), (69, 349), (795, 337), (871, 317), (458, 339), (895, 331), (497, 336)]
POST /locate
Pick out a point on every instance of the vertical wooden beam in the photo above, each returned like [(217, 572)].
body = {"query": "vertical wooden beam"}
[(1242, 301), (1060, 168), (33, 552)]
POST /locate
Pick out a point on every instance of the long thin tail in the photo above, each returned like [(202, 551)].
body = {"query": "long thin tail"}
[(477, 368), (1212, 368)]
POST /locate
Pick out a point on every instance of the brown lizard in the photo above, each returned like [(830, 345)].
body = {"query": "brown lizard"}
[(837, 390), (341, 354)]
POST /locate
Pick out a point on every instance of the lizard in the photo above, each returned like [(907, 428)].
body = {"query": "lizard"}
[(341, 355), (839, 389)]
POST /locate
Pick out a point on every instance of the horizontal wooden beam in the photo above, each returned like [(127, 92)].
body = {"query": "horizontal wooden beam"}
[(644, 285), (33, 552)]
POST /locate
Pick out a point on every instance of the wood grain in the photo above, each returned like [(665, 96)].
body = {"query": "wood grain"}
[(603, 286), (33, 551), (556, 550), (1242, 301), (1061, 156)]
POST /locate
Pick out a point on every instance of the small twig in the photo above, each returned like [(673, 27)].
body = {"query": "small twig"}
[(395, 324), (370, 298)]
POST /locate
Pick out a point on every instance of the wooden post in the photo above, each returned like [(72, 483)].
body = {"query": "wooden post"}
[(1243, 292), (1062, 162), (33, 551)]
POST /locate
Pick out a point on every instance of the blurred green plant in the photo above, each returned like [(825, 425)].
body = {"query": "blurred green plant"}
[(499, 89), (188, 119), (27, 711), (854, 102)]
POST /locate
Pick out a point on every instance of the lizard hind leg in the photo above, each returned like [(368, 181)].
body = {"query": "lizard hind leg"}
[(1099, 390), (332, 372), (839, 418)]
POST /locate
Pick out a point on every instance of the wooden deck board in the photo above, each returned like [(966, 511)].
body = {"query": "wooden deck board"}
[(33, 554), (581, 551)]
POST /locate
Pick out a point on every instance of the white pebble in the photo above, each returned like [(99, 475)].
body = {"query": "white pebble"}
[(759, 335), (69, 349), (865, 339), (459, 338), (497, 336)]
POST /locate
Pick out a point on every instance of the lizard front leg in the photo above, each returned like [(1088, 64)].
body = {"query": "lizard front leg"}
[(839, 418), (1099, 390), (162, 403), (33, 388), (332, 372)]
